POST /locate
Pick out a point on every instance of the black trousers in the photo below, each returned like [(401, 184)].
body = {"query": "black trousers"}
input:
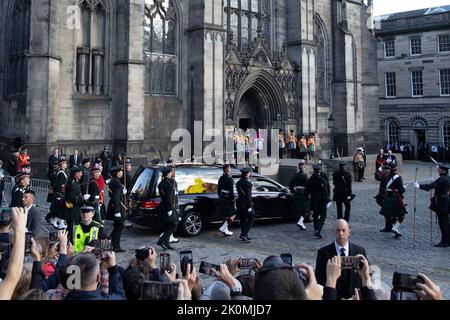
[(347, 210), (359, 174), (319, 217), (246, 220), (168, 230), (444, 226), (280, 153), (116, 234)]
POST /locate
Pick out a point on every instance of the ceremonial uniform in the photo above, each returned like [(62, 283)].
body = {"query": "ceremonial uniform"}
[(317, 191), (245, 205), (94, 199), (300, 205), (85, 178), (58, 205), (440, 205), (17, 195), (342, 192), (116, 209), (73, 200), (226, 202)]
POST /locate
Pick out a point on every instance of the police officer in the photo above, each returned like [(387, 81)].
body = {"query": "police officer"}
[(22, 184), (57, 215), (244, 204), (73, 198), (225, 191), (116, 208), (440, 202), (169, 206), (393, 208), (342, 192), (87, 230), (317, 191), (297, 186)]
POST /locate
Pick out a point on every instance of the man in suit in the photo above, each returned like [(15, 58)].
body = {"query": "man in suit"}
[(75, 159), (33, 214), (349, 279)]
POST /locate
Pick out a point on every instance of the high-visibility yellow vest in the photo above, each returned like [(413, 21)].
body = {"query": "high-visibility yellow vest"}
[(80, 239)]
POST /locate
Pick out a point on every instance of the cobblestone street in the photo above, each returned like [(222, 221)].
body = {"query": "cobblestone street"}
[(280, 237)]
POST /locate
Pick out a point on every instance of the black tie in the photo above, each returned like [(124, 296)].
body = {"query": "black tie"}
[(342, 252)]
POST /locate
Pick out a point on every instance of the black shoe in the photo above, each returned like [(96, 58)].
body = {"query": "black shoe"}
[(128, 225), (245, 239), (441, 245), (397, 234), (169, 247), (385, 230), (317, 235), (162, 245), (119, 250)]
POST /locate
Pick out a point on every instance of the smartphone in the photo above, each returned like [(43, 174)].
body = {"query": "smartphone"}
[(403, 295), (405, 282), (350, 263), (28, 243), (287, 258), (142, 254), (247, 263), (106, 245), (205, 268), (5, 215), (164, 261), (153, 290), (185, 259), (53, 236)]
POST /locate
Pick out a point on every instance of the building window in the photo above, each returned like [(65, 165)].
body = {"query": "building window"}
[(92, 54), (446, 133), (392, 131), (390, 85), (444, 42), (245, 18), (444, 80), (415, 46), (417, 83), (389, 48), (19, 43), (322, 92), (160, 48)]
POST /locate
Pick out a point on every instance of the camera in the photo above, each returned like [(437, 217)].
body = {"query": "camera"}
[(142, 254), (28, 236), (164, 261), (350, 263), (287, 258), (405, 282), (185, 259), (102, 246), (205, 268), (152, 290), (53, 236), (248, 263), (5, 216)]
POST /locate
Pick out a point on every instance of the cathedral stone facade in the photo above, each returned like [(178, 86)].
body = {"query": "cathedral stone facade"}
[(127, 73)]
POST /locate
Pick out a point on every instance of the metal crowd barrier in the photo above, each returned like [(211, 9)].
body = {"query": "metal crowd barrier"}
[(40, 187)]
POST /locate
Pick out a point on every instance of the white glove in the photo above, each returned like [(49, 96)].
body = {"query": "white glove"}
[(349, 197), (86, 197), (169, 213), (329, 205), (118, 215), (97, 197), (388, 160), (125, 191), (108, 181), (380, 169), (249, 210), (416, 185)]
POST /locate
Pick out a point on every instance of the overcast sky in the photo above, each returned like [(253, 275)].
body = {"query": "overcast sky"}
[(391, 6)]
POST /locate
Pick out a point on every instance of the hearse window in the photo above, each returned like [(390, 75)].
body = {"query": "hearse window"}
[(265, 186), (143, 183)]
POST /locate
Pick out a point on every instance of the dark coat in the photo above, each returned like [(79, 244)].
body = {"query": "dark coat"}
[(84, 181), (115, 199), (72, 160), (440, 201), (17, 195), (393, 204), (349, 280), (225, 191), (297, 186), (34, 220), (244, 190), (169, 201), (342, 181), (317, 191), (73, 200)]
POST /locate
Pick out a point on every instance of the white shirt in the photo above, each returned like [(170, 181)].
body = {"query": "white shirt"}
[(338, 248)]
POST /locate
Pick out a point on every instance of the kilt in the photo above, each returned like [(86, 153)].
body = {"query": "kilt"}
[(300, 205), (393, 206), (226, 208)]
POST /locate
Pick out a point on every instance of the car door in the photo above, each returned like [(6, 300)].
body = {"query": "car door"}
[(277, 199)]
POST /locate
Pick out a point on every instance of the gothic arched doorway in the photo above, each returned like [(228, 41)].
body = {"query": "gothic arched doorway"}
[(252, 111)]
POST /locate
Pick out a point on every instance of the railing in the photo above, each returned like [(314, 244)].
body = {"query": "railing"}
[(40, 187)]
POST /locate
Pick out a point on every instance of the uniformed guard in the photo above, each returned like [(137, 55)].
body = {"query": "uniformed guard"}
[(168, 208), (225, 191), (382, 175), (94, 193), (393, 205), (116, 208), (244, 204), (342, 192), (297, 186), (22, 184), (73, 198), (317, 191), (126, 181), (86, 166), (440, 202), (57, 214), (87, 230)]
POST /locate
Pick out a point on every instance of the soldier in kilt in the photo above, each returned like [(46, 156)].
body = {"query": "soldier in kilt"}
[(440, 202), (394, 208), (227, 207), (297, 186), (57, 216)]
